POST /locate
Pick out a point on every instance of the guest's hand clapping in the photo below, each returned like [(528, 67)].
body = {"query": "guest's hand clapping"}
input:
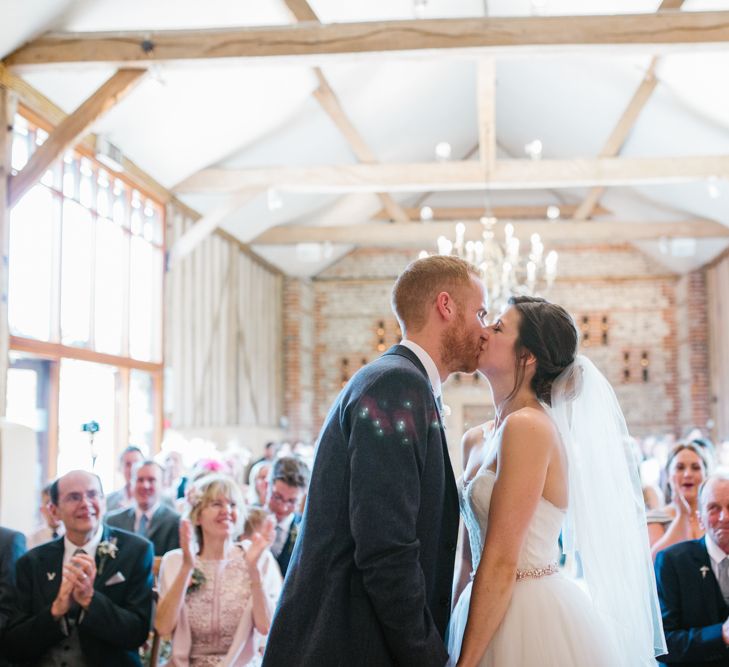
[(260, 541), (85, 567), (187, 543)]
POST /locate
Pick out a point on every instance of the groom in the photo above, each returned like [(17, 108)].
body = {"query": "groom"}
[(369, 581)]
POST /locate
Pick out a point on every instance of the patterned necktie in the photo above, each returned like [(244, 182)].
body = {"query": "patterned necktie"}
[(439, 403), (143, 521), (724, 579), (278, 542)]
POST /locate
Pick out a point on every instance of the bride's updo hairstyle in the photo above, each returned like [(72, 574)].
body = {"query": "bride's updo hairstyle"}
[(549, 333)]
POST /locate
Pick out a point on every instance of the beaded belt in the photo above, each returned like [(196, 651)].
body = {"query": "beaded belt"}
[(537, 572)]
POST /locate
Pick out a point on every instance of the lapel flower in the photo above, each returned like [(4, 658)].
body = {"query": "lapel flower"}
[(704, 571), (196, 580), (106, 549)]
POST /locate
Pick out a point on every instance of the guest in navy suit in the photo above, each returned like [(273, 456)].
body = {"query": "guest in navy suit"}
[(369, 582), (84, 599), (289, 478), (693, 586)]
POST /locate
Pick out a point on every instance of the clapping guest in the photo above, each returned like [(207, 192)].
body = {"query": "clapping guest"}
[(260, 520), (52, 526), (148, 516), (686, 469), (211, 592), (86, 598)]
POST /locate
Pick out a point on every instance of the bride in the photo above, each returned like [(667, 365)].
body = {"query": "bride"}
[(554, 459)]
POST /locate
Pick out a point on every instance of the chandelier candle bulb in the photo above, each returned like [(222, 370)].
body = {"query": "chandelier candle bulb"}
[(531, 274)]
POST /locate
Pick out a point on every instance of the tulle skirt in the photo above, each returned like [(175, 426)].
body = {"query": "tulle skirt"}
[(550, 622)]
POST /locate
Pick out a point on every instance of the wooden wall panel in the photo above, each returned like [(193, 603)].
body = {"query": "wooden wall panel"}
[(222, 336)]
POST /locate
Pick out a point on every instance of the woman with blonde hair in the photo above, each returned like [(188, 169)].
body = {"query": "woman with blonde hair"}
[(211, 596)]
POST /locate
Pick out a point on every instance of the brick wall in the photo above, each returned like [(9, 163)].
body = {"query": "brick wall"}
[(639, 346)]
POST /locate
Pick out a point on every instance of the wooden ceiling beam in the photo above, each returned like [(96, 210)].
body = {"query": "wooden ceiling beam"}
[(475, 212), (39, 104), (463, 175), (657, 33), (627, 121), (72, 129), (207, 224), (326, 97), (381, 234), (486, 95)]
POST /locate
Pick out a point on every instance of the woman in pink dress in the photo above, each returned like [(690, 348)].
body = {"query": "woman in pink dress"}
[(211, 596)]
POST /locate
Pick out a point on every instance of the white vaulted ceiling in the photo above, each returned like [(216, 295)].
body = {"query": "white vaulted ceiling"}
[(186, 117)]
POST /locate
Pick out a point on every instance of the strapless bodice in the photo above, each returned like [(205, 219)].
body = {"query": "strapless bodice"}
[(541, 546)]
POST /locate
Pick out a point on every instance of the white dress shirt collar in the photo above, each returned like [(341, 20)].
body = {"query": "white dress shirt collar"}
[(430, 368), (716, 554), (90, 547)]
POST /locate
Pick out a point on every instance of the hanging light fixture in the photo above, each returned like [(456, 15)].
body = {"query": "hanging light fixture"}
[(506, 271)]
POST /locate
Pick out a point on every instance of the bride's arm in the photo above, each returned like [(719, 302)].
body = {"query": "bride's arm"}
[(528, 442), (470, 441)]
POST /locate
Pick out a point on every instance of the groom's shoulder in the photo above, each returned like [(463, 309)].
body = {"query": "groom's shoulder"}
[(393, 366)]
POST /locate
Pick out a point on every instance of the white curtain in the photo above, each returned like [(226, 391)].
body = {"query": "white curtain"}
[(718, 303)]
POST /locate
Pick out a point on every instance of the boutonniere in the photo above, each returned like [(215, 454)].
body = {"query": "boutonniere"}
[(704, 571), (106, 549), (196, 580)]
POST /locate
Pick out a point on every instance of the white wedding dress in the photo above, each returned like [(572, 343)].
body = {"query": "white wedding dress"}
[(550, 621)]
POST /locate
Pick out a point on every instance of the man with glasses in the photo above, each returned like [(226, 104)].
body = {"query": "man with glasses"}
[(84, 599), (289, 478)]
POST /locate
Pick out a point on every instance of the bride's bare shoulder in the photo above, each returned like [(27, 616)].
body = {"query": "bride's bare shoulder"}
[(530, 427)]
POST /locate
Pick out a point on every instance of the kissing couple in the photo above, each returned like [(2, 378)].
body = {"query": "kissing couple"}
[(371, 580)]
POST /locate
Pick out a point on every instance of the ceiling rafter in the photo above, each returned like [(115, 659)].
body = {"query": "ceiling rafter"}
[(403, 235), (656, 33), (625, 124), (463, 175), (73, 128)]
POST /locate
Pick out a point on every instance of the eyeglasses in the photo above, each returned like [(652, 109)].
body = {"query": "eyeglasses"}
[(75, 497), (291, 502)]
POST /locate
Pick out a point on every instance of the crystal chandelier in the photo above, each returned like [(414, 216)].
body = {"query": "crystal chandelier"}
[(505, 272)]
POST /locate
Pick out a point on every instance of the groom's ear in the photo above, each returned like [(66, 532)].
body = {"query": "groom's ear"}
[(445, 305)]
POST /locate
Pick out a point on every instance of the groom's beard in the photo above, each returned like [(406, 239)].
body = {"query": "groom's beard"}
[(458, 352)]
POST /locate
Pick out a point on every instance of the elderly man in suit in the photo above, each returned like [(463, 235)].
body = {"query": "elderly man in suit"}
[(84, 599), (286, 487), (369, 582), (12, 547), (148, 516), (693, 586)]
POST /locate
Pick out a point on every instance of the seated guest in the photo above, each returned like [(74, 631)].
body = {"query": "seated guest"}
[(257, 519), (289, 479), (12, 547), (148, 516), (84, 599), (211, 591), (124, 496), (693, 586), (51, 528), (686, 469), (258, 483)]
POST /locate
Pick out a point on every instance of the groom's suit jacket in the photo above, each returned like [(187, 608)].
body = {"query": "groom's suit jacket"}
[(369, 582), (692, 606), (118, 619)]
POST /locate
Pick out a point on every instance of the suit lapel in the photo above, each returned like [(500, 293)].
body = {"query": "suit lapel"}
[(451, 489), (51, 569), (709, 586)]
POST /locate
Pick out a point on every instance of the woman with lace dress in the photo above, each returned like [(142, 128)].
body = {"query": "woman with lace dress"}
[(212, 599), (555, 459)]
